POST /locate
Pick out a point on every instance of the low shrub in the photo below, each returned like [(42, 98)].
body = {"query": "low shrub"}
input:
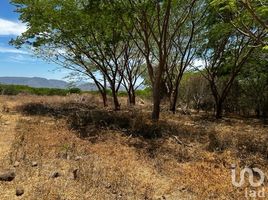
[(75, 91), (18, 89)]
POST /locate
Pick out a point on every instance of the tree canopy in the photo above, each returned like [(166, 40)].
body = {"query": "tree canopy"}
[(121, 41)]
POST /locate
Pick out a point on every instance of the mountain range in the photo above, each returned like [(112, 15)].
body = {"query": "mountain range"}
[(38, 82)]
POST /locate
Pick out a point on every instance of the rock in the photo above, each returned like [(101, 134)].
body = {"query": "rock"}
[(19, 191), (77, 158), (34, 164), (16, 164), (75, 173), (7, 176), (119, 196), (108, 186), (55, 175)]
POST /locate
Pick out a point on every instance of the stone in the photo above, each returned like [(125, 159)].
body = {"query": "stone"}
[(7, 176), (108, 186), (19, 191), (16, 164), (77, 158), (75, 174), (55, 174), (34, 164)]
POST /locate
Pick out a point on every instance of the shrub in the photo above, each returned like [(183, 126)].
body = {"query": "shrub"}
[(145, 93), (17, 89), (74, 91)]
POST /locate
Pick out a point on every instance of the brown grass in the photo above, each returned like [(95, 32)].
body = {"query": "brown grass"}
[(189, 157)]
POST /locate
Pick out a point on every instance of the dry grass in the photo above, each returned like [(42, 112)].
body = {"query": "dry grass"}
[(189, 157)]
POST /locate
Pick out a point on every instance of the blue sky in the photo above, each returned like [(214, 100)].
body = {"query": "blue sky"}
[(14, 62)]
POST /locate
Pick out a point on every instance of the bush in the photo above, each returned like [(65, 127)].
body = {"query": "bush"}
[(74, 91), (17, 89), (145, 93)]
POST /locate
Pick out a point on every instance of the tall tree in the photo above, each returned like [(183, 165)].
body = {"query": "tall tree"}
[(82, 32), (225, 54), (246, 16), (132, 71), (156, 25), (183, 51)]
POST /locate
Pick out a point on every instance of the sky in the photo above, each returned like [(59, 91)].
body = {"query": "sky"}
[(17, 62)]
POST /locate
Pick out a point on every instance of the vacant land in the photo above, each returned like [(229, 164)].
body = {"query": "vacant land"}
[(72, 148)]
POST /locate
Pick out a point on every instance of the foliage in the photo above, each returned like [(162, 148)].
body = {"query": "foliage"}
[(18, 89), (119, 42), (249, 17)]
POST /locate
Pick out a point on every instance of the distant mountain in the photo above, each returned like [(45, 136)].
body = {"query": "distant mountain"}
[(88, 87), (38, 82)]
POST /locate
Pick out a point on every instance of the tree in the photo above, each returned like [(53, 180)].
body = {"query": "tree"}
[(225, 53), (156, 25), (254, 84), (194, 91), (132, 70), (224, 61), (183, 51), (241, 13), (77, 32)]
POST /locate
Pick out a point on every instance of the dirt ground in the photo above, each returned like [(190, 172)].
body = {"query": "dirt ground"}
[(190, 156)]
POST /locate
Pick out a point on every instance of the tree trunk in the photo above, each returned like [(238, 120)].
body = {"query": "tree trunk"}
[(219, 110), (115, 100), (156, 100), (131, 97), (173, 102), (104, 98), (258, 112)]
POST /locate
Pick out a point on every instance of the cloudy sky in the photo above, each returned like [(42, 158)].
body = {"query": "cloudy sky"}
[(17, 62)]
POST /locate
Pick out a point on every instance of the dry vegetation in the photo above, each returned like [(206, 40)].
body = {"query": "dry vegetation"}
[(100, 154)]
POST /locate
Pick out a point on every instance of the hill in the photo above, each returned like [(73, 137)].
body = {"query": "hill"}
[(38, 82)]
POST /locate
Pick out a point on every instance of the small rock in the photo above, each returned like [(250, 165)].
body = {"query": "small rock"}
[(75, 174), (120, 195), (7, 176), (16, 164), (77, 158), (19, 191), (34, 164), (108, 185), (55, 175), (233, 166)]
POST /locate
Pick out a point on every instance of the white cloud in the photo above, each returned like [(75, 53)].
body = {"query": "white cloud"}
[(8, 27), (11, 50), (18, 58)]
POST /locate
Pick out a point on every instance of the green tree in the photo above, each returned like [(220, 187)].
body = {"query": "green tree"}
[(81, 35), (246, 16), (253, 81), (225, 53), (154, 27)]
